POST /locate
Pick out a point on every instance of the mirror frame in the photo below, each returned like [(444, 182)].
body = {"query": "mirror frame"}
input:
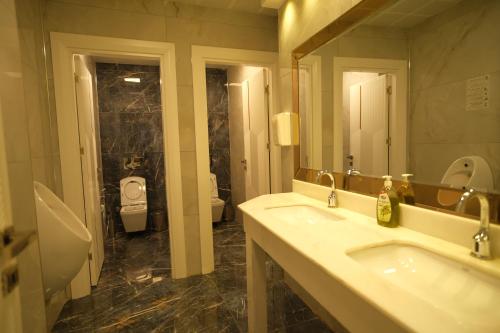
[(365, 184)]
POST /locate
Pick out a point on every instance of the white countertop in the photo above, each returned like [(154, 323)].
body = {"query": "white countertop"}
[(327, 244)]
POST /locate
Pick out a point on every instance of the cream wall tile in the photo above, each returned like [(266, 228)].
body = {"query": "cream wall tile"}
[(442, 50), (43, 171), (287, 171), (440, 116), (14, 123), (442, 45), (183, 62), (153, 7), (220, 34), (13, 113), (193, 248), (35, 90), (186, 118), (224, 16), (79, 19), (286, 89), (189, 183)]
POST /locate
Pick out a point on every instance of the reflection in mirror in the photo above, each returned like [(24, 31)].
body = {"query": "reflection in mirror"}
[(412, 89), (361, 80)]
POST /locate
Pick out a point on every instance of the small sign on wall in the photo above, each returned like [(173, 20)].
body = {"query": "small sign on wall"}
[(477, 93)]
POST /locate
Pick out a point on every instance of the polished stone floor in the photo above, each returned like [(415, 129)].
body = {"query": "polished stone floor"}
[(136, 294)]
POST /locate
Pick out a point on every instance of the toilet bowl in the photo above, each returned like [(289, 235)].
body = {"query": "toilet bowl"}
[(134, 209), (64, 240), (468, 172), (217, 203)]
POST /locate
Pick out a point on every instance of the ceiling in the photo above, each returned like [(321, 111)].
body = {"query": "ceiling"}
[(249, 6), (408, 13)]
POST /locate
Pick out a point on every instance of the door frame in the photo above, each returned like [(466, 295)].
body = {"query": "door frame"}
[(314, 129), (398, 130), (200, 57), (64, 45)]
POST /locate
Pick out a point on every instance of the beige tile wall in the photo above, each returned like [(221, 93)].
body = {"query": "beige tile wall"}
[(447, 50), (17, 125), (184, 25), (42, 126)]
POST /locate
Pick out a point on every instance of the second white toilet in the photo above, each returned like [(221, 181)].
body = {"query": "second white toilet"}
[(134, 209), (217, 203)]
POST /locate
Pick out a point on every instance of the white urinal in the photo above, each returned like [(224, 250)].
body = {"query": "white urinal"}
[(64, 240), (469, 172), (465, 173)]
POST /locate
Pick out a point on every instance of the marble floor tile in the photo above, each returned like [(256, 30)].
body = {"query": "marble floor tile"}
[(136, 294)]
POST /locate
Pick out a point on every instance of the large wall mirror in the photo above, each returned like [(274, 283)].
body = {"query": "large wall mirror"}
[(408, 86)]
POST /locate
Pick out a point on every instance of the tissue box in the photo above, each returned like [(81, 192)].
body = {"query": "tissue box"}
[(286, 129)]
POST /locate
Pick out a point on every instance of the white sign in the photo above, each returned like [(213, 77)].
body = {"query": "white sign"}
[(477, 93)]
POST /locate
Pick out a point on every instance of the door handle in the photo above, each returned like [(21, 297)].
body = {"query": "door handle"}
[(244, 162), (12, 243)]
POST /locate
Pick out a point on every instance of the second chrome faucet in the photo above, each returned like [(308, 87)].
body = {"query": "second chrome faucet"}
[(332, 198)]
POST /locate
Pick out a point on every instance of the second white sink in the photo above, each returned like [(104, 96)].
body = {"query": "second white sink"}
[(469, 295)]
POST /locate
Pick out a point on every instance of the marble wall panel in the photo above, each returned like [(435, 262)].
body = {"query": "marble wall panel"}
[(445, 52), (218, 130), (130, 120)]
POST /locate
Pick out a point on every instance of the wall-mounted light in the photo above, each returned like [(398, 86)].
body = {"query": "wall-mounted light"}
[(132, 79)]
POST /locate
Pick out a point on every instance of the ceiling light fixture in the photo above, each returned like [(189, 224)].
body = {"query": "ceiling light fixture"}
[(132, 79)]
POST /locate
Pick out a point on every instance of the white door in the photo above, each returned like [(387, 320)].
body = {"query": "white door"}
[(256, 138), (369, 125), (10, 303), (90, 180)]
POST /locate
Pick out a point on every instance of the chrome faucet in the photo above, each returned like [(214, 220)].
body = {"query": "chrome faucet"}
[(351, 171), (481, 240), (332, 198)]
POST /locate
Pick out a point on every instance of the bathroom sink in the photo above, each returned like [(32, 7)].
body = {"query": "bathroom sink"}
[(303, 214), (468, 295)]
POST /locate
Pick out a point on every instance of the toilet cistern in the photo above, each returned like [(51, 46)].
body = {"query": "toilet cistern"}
[(481, 240), (332, 198)]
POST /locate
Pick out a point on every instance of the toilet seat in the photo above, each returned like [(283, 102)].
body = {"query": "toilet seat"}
[(133, 191), (134, 210)]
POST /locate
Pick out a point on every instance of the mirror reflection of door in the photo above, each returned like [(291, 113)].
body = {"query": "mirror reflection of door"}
[(369, 107)]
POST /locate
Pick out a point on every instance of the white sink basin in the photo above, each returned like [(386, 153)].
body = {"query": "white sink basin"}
[(468, 295), (303, 214)]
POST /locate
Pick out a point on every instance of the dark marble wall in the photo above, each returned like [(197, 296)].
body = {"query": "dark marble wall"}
[(131, 131), (218, 130)]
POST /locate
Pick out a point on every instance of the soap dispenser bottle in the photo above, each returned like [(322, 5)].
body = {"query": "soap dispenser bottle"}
[(405, 191), (388, 205)]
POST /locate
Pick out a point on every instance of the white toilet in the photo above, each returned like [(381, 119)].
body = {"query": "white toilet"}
[(217, 203), (134, 209)]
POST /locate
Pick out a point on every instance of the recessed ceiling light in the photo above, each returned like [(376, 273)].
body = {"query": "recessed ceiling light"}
[(132, 79)]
